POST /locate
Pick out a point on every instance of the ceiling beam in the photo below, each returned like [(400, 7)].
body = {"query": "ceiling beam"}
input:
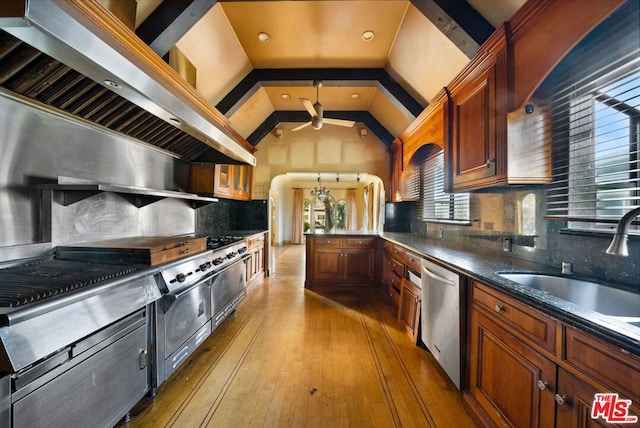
[(302, 116), (365, 77), (457, 20), (170, 21)]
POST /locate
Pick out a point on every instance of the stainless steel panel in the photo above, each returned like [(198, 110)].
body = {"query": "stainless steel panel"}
[(39, 146), (174, 361), (28, 338), (98, 392), (441, 317), (227, 289), (184, 314)]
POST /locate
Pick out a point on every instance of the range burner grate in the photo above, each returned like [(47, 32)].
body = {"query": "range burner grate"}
[(32, 282), (214, 242)]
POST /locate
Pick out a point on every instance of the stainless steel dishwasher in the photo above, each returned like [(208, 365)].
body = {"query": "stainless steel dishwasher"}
[(441, 317)]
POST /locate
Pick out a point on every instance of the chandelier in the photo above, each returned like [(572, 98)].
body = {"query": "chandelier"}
[(319, 191)]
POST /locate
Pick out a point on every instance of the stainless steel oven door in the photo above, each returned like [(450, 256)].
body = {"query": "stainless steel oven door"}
[(184, 314), (227, 290)]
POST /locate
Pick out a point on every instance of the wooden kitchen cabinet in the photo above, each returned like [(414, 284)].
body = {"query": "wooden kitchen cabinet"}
[(477, 144), (337, 261), (256, 260), (393, 271), (503, 377), (409, 308), (575, 403), (528, 369), (221, 180)]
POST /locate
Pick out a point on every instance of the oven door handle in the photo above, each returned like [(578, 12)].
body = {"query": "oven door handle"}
[(170, 298), (226, 268)]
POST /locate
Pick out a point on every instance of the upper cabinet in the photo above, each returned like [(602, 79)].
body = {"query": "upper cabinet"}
[(493, 131), (221, 180), (478, 105)]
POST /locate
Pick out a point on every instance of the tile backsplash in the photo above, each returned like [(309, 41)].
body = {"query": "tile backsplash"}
[(501, 216)]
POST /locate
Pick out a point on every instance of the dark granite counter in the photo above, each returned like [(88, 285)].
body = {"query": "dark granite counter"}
[(483, 267), (344, 233)]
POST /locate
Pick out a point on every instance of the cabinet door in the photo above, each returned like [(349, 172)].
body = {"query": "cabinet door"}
[(576, 401), (504, 376), (327, 264), (474, 131), (358, 265), (409, 308)]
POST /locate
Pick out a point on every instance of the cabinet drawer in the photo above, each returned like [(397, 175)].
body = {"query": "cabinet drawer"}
[(397, 267), (331, 242), (413, 261), (359, 242), (528, 323), (255, 241), (603, 362)]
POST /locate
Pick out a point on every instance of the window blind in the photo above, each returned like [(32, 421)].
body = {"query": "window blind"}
[(436, 205), (595, 108)]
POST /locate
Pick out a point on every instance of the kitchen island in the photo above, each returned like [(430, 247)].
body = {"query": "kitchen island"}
[(341, 258)]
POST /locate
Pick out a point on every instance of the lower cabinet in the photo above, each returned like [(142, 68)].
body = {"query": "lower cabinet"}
[(340, 261), (256, 261), (505, 375), (409, 308), (527, 369)]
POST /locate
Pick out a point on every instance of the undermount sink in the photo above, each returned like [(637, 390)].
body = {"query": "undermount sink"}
[(589, 295)]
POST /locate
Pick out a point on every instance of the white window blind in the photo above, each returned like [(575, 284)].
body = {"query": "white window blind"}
[(435, 204), (596, 126)]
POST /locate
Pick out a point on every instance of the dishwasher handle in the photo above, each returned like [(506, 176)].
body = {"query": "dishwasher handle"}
[(437, 277)]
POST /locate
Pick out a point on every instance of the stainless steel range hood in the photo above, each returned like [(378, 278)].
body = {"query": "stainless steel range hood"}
[(87, 38)]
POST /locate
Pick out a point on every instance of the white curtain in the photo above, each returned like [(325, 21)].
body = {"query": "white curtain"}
[(297, 222), (351, 220)]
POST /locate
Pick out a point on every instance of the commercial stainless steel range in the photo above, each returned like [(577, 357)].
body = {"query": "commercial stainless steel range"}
[(74, 342), (199, 294)]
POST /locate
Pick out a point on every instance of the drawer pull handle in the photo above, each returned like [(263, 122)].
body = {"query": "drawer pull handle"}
[(562, 399), (499, 308), (185, 251), (543, 385)]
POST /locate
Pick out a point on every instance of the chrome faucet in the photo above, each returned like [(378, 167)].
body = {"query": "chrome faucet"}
[(618, 244)]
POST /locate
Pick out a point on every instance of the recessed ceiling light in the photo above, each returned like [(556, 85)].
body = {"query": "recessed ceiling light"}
[(175, 121), (263, 37), (368, 35), (285, 96), (355, 95), (111, 83)]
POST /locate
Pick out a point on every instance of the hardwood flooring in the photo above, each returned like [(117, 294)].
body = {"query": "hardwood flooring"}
[(291, 357)]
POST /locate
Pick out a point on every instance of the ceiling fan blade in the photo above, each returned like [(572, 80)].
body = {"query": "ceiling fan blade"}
[(309, 106), (304, 125), (339, 122)]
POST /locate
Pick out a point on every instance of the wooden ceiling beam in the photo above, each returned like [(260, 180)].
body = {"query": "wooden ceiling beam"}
[(365, 77), (302, 116), (457, 20), (170, 21)]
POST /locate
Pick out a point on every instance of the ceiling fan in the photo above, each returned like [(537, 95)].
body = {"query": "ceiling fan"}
[(316, 110)]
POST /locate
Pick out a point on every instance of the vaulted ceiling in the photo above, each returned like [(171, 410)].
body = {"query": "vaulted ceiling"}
[(384, 83)]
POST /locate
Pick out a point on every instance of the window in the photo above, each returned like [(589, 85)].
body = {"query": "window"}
[(435, 204), (341, 214), (596, 131)]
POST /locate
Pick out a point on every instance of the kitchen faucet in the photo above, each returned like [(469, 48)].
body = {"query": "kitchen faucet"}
[(618, 244)]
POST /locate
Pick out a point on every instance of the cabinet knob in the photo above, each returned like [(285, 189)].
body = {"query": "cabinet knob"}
[(562, 399), (490, 161), (543, 385), (499, 308)]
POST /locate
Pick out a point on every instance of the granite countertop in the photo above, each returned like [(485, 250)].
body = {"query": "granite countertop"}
[(483, 267), (244, 233), (343, 233)]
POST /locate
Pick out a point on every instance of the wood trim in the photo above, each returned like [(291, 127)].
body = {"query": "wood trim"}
[(544, 31)]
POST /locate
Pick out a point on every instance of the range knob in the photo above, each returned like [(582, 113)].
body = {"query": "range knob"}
[(181, 277), (205, 266), (217, 261), (242, 250), (231, 255)]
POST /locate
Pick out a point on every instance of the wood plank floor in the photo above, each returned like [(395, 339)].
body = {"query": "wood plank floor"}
[(291, 357)]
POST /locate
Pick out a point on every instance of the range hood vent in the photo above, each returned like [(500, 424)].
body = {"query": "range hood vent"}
[(76, 57)]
